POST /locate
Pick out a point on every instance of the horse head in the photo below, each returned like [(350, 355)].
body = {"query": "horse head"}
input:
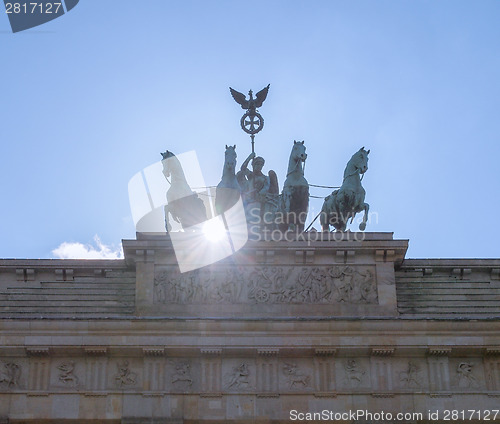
[(362, 157), (299, 151), (167, 154), (167, 162), (358, 164), (230, 158)]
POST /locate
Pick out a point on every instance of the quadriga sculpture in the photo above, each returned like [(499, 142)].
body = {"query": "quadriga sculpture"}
[(343, 204), (183, 204)]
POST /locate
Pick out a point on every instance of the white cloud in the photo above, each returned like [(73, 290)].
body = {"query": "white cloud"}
[(68, 250)]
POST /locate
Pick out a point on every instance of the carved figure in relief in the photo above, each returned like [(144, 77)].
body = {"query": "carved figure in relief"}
[(125, 376), (182, 373), (229, 289), (294, 376), (160, 292), (223, 286), (269, 284), (465, 377), (343, 282), (204, 282), (352, 285), (66, 376), (411, 376), (368, 292), (319, 288), (10, 374), (303, 286), (240, 377), (283, 287), (354, 373)]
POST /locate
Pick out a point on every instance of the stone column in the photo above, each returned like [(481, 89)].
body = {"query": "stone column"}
[(97, 364), (439, 369), (492, 369), (324, 372), (39, 369), (154, 369), (381, 371), (267, 372), (211, 369)]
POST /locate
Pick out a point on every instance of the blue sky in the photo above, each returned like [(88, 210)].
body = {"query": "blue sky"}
[(91, 98)]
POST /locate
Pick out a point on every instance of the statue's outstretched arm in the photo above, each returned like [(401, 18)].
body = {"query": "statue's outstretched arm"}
[(244, 165)]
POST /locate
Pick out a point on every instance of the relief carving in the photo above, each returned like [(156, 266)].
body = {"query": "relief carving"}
[(198, 287), (465, 377), (354, 373), (295, 376), (239, 377), (268, 284), (9, 374), (182, 374), (411, 377), (125, 376), (353, 285), (66, 375)]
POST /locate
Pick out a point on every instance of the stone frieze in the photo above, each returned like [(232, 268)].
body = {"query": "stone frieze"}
[(268, 285), (207, 375)]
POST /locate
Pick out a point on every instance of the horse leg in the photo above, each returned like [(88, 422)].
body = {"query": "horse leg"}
[(324, 218), (286, 208), (366, 207), (342, 207), (330, 214), (304, 197), (341, 219), (168, 227)]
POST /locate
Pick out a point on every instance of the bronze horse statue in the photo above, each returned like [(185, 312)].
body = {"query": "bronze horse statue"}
[(295, 195), (183, 204), (228, 191), (347, 201)]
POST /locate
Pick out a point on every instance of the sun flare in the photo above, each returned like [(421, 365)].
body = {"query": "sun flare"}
[(214, 230)]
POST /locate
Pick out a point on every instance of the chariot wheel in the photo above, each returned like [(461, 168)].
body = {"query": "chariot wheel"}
[(252, 122), (261, 296)]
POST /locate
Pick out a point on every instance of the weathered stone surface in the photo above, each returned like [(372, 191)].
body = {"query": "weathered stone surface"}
[(448, 287)]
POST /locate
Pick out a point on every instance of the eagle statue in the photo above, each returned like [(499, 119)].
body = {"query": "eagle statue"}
[(251, 104)]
